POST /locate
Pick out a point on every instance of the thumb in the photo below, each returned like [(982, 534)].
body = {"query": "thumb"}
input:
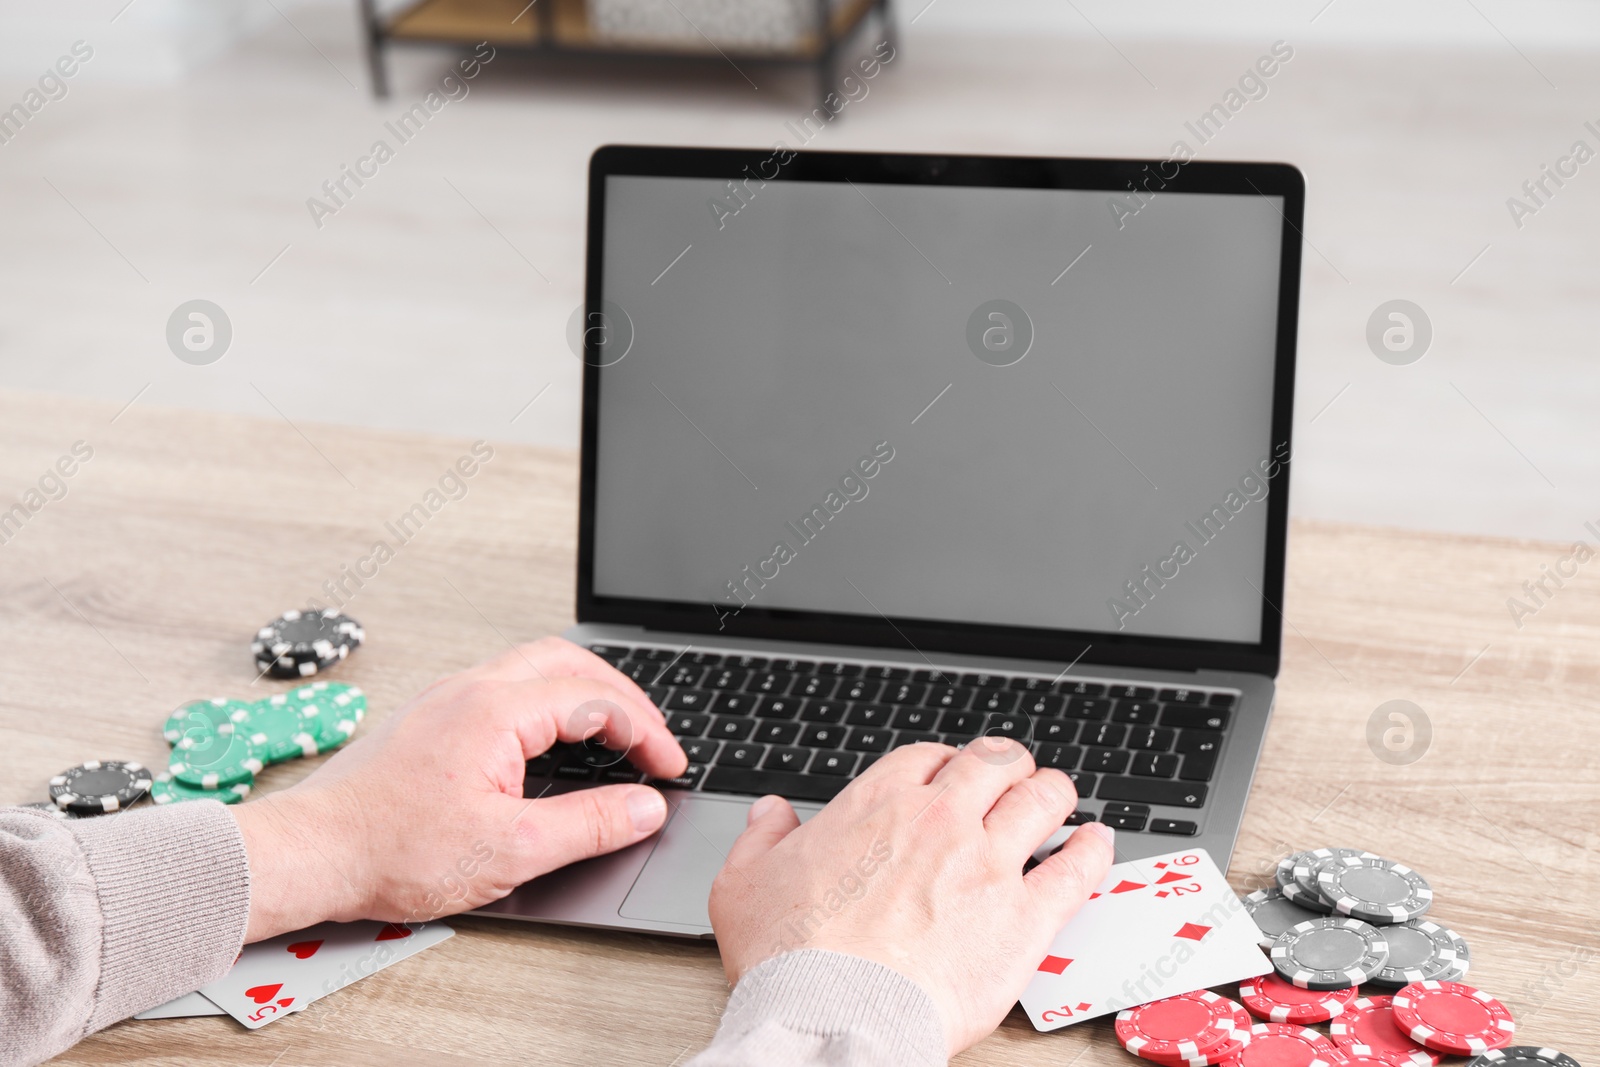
[(1064, 881), (771, 819), (569, 827)]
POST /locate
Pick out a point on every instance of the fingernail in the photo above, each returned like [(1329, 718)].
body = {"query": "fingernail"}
[(760, 808), (647, 809), (1106, 833)]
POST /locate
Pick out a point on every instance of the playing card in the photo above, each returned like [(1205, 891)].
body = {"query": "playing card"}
[(184, 1007), (1153, 929), (273, 978)]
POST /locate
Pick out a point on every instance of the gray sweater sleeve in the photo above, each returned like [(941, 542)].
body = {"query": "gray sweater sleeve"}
[(813, 1008), (101, 918)]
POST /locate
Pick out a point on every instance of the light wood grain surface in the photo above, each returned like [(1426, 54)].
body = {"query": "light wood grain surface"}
[(141, 587)]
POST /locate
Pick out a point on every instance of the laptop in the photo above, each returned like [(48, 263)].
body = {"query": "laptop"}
[(887, 448)]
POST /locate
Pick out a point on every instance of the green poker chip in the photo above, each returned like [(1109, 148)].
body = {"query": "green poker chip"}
[(338, 709), (200, 719), (166, 789), (218, 761), (288, 728)]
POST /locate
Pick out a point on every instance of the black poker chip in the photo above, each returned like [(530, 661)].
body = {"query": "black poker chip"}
[(99, 786), (48, 808), (298, 644), (1522, 1056)]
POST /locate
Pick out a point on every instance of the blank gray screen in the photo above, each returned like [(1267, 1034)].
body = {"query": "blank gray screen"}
[(779, 339)]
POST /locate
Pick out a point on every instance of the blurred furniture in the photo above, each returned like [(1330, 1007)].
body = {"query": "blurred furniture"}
[(806, 32)]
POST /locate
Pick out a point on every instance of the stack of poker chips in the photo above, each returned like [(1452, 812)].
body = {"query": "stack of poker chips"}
[(298, 644)]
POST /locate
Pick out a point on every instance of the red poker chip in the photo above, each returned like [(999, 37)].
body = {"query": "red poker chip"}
[(1370, 1021), (1271, 998), (1282, 1045), (1179, 1029), (1236, 1040), (1360, 1056), (1451, 1017)]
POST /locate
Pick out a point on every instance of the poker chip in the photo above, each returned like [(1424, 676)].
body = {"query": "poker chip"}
[(1451, 1017), (1284, 874), (1178, 1029), (1370, 1022), (1330, 953), (288, 729), (1374, 889), (1303, 888), (1274, 913), (338, 708), (48, 808), (1522, 1056), (166, 790), (217, 762), (1360, 1056), (298, 644), (1270, 997), (201, 717), (100, 786), (1421, 951), (1281, 1045)]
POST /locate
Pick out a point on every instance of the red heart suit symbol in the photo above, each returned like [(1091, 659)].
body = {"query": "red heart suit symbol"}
[(304, 950), (263, 993), (391, 932)]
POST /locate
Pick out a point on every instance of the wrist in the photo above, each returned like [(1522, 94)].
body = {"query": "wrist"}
[(297, 875)]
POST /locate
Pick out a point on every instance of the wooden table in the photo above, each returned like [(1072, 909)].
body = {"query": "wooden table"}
[(141, 587)]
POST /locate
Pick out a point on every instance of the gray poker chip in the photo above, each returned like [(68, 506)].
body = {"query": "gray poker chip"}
[(1421, 951), (1522, 1056), (1284, 875), (1374, 889), (1332, 952), (1274, 913), (1302, 887)]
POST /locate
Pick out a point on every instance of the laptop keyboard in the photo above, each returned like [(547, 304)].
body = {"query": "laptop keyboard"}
[(803, 728)]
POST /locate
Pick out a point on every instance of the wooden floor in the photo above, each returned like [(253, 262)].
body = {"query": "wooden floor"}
[(185, 531)]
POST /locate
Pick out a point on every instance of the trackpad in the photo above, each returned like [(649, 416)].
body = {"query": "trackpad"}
[(675, 885)]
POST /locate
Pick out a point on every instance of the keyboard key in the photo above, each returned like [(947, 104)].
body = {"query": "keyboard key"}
[(871, 714), (640, 670), (1043, 704), (794, 666), (687, 780), (657, 693), (700, 749), (685, 674), (1079, 817), (771, 682), (1152, 791), (1223, 700), (911, 737), (688, 700), (1138, 712), (867, 760), (741, 755), (757, 783), (984, 680), (780, 707), (824, 711), (840, 670), (775, 732), (888, 674), (1198, 741), (1132, 692), (822, 736), (1061, 757), (578, 771), (657, 655), (787, 759), (737, 704), (1191, 718), (1184, 696), (1031, 685), (947, 696), (1124, 822), (1154, 763), (688, 724), (727, 678), (868, 739), (814, 686), (622, 772), (612, 654), (1061, 730), (995, 700), (1198, 767), (1107, 734), (963, 724), (859, 689), (731, 728), (1081, 689), (840, 763), (748, 663), (703, 659), (1084, 781), (1118, 807), (1106, 760), (1017, 727), (1144, 738), (1174, 826), (1088, 708), (903, 693), (934, 677)]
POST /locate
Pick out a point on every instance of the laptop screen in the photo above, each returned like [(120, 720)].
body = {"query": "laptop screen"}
[(1047, 408)]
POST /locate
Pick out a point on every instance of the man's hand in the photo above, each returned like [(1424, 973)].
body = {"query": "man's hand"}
[(425, 816), (918, 866)]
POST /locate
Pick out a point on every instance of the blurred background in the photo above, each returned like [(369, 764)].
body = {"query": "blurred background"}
[(1447, 146)]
